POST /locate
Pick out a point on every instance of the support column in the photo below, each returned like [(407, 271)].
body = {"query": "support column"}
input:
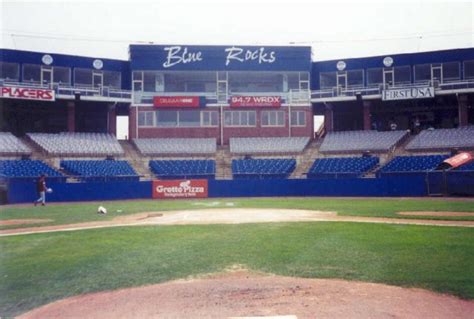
[(367, 119), (71, 116), (132, 123), (112, 120), (328, 118), (463, 110)]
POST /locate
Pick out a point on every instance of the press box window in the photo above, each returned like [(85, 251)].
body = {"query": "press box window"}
[(469, 69), (327, 80), (112, 79), (273, 118), (298, 118), (9, 71), (189, 118), (451, 71), (61, 75), (209, 118), (31, 73), (145, 118), (239, 118), (167, 118), (83, 77)]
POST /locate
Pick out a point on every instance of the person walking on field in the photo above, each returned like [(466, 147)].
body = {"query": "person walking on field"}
[(41, 188)]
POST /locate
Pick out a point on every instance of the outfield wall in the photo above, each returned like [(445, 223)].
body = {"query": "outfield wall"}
[(25, 191)]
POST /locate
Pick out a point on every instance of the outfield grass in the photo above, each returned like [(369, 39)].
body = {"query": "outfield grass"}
[(40, 268), (374, 207)]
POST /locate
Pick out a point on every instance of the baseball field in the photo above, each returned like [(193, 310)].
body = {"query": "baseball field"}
[(61, 251)]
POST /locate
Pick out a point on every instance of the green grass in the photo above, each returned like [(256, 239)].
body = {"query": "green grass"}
[(40, 268), (375, 207)]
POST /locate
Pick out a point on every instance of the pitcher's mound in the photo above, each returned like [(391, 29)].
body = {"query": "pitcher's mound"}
[(244, 294)]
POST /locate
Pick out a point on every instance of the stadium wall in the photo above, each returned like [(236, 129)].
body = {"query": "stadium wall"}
[(25, 191)]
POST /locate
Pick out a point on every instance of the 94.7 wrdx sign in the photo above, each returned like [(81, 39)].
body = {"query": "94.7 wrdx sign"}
[(192, 188)]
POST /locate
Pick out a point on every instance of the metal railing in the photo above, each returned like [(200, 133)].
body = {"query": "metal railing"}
[(71, 91), (377, 90)]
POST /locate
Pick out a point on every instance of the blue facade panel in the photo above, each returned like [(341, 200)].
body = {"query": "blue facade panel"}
[(68, 61), (410, 59), (220, 58)]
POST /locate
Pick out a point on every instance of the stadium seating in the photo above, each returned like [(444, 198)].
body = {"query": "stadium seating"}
[(443, 139), (466, 167), (268, 145), (78, 144), (262, 168), (28, 168), (173, 146), (341, 167), (176, 169), (419, 163), (361, 141), (11, 145), (100, 170)]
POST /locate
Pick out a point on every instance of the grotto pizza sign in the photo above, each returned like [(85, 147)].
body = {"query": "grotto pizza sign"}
[(192, 188)]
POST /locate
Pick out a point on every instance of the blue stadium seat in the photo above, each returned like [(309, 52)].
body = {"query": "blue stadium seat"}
[(420, 163), (99, 170), (179, 169), (341, 167), (12, 169), (262, 168), (466, 167)]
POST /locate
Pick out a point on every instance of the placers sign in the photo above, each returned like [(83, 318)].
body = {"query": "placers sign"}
[(192, 188), (11, 92)]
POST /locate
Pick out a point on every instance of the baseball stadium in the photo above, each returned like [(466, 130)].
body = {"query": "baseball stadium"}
[(226, 198)]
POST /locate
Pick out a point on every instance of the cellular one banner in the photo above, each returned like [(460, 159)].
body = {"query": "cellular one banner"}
[(176, 101), (255, 101), (12, 92), (192, 188)]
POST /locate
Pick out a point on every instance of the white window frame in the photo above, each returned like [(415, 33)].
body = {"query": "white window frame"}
[(300, 115), (239, 116), (464, 70), (275, 115), (147, 113), (208, 122)]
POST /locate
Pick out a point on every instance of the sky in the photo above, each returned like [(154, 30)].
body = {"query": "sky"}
[(334, 29)]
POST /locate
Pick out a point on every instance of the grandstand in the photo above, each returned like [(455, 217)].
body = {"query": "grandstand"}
[(175, 169), (466, 167), (268, 145), (341, 167), (77, 144), (420, 163), (443, 139), (262, 168), (11, 145), (99, 170), (175, 146), (19, 169), (361, 141)]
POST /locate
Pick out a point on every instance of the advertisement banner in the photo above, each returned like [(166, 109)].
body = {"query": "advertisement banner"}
[(176, 101), (255, 101), (12, 92), (193, 188), (459, 159), (408, 93)]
